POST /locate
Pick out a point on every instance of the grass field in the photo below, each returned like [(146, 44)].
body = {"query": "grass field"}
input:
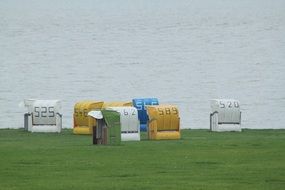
[(253, 159)]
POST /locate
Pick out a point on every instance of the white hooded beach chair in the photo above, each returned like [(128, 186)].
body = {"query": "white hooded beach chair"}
[(43, 116), (225, 115)]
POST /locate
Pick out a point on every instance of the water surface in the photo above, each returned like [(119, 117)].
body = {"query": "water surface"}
[(182, 52)]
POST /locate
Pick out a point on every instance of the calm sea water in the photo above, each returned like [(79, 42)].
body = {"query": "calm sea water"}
[(182, 52)]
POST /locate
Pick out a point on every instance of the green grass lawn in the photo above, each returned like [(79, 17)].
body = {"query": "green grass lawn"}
[(253, 159)]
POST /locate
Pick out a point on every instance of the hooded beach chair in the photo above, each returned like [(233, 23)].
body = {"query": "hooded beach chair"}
[(43, 116), (164, 122), (140, 104), (225, 115), (107, 130), (82, 123)]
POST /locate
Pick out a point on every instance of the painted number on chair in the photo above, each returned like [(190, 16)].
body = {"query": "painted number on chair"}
[(82, 113), (44, 111), (229, 104), (141, 104), (167, 111), (132, 113)]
